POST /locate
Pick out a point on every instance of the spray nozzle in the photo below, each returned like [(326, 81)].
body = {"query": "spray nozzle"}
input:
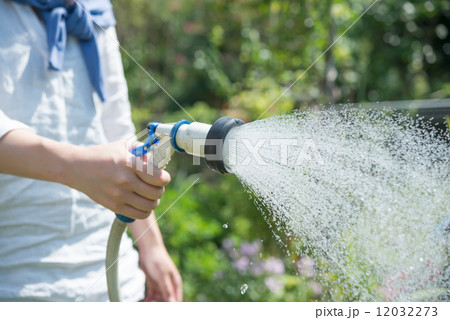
[(215, 141), (197, 139)]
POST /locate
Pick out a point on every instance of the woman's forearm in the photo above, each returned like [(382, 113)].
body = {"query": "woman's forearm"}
[(146, 233), (25, 154)]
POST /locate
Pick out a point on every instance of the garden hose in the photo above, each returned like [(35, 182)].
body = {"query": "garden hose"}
[(112, 255)]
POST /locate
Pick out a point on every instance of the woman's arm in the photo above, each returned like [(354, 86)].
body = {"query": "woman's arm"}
[(101, 171)]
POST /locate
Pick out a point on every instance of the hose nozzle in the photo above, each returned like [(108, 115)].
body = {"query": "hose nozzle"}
[(215, 141), (197, 139)]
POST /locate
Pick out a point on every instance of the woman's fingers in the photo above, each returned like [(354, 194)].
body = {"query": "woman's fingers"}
[(153, 294), (153, 176), (160, 289), (168, 290), (148, 191), (131, 212), (177, 286), (141, 203)]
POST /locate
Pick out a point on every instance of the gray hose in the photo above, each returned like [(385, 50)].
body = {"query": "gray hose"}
[(112, 264)]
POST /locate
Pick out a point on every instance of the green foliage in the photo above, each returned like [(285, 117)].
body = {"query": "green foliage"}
[(236, 58), (447, 118)]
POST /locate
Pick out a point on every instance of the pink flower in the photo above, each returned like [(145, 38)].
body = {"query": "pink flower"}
[(316, 287), (242, 264), (305, 266), (227, 244), (273, 265), (250, 249), (273, 284)]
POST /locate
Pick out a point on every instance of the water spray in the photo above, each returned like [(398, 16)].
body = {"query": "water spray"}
[(196, 139)]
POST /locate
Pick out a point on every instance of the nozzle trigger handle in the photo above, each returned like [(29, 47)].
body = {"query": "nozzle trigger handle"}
[(139, 152)]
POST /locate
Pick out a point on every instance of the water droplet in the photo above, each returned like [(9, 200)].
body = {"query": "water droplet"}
[(244, 288), (225, 226), (421, 259)]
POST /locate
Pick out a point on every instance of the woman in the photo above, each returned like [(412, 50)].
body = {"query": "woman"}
[(63, 111)]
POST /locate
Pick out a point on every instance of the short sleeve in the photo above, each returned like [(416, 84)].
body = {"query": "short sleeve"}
[(7, 124)]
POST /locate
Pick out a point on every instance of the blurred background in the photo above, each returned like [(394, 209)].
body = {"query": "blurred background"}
[(235, 58)]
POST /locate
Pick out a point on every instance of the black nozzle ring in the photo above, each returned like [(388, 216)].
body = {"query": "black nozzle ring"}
[(214, 142)]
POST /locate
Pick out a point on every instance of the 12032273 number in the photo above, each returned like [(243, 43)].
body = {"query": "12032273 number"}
[(407, 311)]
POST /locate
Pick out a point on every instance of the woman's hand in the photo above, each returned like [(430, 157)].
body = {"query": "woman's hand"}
[(102, 173), (162, 277)]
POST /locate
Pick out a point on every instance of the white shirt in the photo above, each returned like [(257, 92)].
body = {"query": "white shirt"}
[(53, 238)]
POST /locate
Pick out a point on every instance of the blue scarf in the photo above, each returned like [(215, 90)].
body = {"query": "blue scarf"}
[(64, 17)]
